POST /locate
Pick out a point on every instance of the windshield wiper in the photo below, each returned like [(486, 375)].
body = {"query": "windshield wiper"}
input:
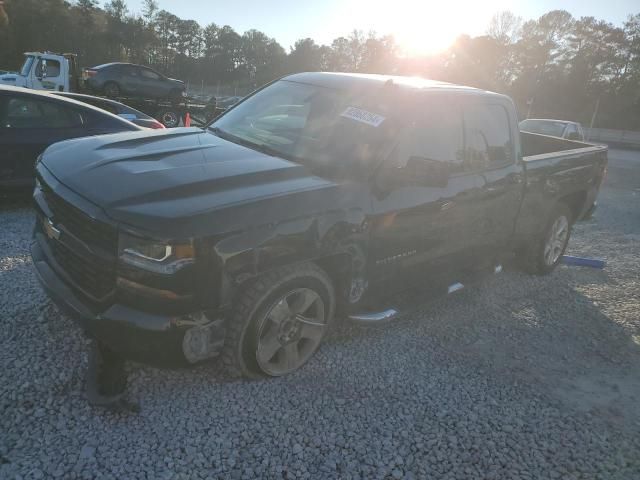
[(259, 147)]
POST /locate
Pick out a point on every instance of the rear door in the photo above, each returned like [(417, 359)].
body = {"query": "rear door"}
[(490, 151), (29, 124)]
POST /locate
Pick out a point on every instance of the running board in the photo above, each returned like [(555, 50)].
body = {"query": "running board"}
[(371, 318)]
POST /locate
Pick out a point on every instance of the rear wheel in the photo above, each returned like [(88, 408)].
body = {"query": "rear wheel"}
[(169, 118), (279, 322), (543, 255), (111, 89)]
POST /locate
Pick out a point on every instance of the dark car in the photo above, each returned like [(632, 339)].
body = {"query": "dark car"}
[(130, 80), (117, 108), (553, 128), (320, 193), (30, 121), (227, 102)]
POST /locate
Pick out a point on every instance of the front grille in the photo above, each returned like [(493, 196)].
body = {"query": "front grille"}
[(93, 276), (81, 225), (90, 263)]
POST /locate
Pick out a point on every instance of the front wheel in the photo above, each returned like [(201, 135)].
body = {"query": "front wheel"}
[(543, 255), (279, 322)]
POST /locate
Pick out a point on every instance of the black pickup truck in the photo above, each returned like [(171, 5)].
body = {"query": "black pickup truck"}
[(312, 198)]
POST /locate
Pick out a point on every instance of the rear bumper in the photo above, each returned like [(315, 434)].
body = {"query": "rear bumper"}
[(133, 334)]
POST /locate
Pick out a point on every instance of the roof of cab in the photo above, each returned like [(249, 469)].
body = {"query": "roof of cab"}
[(361, 80)]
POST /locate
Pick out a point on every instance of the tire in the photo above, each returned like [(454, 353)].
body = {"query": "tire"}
[(111, 89), (543, 255), (169, 118), (269, 333)]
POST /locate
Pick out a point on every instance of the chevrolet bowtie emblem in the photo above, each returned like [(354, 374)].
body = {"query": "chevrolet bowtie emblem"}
[(49, 229)]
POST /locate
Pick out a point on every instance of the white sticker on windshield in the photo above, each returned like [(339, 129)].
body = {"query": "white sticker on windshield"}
[(363, 116)]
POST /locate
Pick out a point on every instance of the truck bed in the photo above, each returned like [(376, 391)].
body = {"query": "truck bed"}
[(538, 147), (558, 170)]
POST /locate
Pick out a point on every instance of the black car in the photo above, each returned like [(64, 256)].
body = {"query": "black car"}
[(127, 79), (117, 108), (30, 121)]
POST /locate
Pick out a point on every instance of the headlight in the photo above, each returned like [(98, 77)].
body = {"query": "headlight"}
[(159, 257)]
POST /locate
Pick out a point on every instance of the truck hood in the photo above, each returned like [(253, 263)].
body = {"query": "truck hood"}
[(159, 181), (12, 79)]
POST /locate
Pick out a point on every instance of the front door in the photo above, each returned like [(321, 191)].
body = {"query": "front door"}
[(418, 224), (49, 75)]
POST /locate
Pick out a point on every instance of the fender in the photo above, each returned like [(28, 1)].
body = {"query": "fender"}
[(336, 240)]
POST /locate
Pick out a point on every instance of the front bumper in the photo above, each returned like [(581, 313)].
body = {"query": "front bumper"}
[(136, 335)]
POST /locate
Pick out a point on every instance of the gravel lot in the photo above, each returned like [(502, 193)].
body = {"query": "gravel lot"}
[(516, 377)]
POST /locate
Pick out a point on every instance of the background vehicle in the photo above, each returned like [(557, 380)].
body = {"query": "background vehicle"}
[(228, 102), (554, 128), (130, 80), (46, 71), (117, 108), (318, 193), (38, 70), (30, 121)]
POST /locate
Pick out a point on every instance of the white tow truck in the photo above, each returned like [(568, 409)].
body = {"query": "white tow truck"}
[(60, 72), (46, 71)]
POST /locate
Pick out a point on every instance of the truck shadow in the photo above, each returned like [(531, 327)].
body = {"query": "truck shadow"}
[(545, 333)]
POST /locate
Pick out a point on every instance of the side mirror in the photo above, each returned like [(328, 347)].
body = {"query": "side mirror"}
[(43, 70), (427, 172)]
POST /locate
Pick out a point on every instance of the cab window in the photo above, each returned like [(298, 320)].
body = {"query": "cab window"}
[(149, 74), (572, 132), (52, 69), (487, 136), (435, 135)]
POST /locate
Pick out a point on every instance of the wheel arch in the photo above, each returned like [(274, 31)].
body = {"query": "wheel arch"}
[(576, 201)]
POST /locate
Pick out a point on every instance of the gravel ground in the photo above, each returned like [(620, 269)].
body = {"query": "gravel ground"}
[(515, 377)]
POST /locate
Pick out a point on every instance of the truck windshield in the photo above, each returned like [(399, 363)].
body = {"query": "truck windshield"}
[(338, 131), (26, 66), (543, 127)]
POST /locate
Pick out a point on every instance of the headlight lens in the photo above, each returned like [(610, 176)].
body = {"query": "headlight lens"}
[(154, 256)]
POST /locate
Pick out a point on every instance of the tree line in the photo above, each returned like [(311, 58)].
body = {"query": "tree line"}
[(554, 66)]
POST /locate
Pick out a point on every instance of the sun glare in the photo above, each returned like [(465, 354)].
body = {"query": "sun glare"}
[(422, 27)]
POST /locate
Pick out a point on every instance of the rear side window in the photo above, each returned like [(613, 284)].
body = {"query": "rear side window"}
[(127, 70), (104, 121), (22, 112), (487, 136), (572, 132), (102, 105), (149, 74)]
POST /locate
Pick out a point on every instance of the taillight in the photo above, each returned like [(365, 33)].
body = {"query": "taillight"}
[(89, 73), (157, 124)]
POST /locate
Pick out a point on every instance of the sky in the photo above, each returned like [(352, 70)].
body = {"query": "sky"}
[(420, 26)]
